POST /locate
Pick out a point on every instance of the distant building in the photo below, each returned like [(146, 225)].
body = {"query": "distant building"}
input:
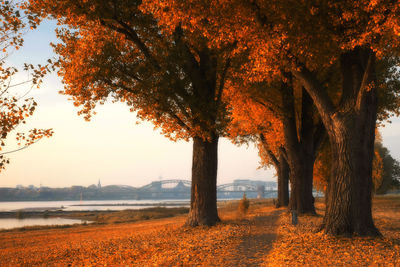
[(31, 186), (99, 184), (92, 186), (268, 185)]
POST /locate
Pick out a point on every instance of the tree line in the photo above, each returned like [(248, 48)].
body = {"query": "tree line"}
[(91, 192), (307, 81)]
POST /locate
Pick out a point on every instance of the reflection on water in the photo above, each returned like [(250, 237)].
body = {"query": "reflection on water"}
[(9, 223)]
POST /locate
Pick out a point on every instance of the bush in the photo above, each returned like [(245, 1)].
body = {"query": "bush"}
[(20, 214), (244, 204), (46, 214)]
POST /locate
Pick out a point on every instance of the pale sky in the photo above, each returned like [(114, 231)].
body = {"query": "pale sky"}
[(111, 147)]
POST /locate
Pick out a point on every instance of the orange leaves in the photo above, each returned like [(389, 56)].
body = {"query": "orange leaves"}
[(266, 238), (13, 24), (255, 109), (12, 114), (129, 55), (300, 245)]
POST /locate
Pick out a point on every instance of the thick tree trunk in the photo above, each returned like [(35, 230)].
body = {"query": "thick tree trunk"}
[(203, 202), (350, 126), (283, 182), (349, 202)]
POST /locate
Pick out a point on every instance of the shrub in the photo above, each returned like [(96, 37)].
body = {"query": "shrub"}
[(244, 204), (46, 214), (20, 214)]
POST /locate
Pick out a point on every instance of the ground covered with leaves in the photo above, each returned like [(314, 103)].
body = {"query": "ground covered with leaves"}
[(263, 237)]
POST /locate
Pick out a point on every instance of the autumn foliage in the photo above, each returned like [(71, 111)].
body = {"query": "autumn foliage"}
[(285, 74), (14, 109)]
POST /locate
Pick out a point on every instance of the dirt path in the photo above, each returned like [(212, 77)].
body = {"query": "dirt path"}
[(257, 242), (260, 239)]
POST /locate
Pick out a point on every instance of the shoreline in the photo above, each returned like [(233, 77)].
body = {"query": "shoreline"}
[(91, 217)]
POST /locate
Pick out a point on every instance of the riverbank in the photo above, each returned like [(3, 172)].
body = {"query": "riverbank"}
[(108, 216), (263, 237), (91, 217)]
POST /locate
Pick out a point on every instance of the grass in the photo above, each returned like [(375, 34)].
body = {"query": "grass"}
[(138, 215), (103, 217)]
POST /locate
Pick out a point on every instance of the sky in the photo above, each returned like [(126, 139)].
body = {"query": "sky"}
[(111, 147)]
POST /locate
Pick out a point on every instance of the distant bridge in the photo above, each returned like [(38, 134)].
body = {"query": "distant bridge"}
[(234, 189), (166, 185), (239, 187)]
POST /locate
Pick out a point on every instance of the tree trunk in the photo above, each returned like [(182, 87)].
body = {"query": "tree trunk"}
[(203, 202), (349, 203), (299, 144), (350, 126), (283, 182), (301, 181)]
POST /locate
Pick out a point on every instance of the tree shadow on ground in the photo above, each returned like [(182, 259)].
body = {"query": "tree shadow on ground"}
[(253, 246)]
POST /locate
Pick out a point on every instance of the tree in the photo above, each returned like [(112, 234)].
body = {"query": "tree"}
[(281, 167), (384, 173), (309, 40), (112, 49), (387, 169), (13, 109), (259, 122), (303, 137), (290, 132)]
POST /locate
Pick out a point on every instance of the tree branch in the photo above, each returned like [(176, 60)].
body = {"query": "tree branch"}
[(222, 82), (191, 65), (271, 155), (317, 92), (19, 149), (134, 37), (276, 110), (367, 79)]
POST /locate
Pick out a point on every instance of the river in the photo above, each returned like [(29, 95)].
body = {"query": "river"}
[(88, 205), (85, 205)]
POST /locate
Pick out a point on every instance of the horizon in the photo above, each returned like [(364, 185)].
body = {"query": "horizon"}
[(104, 185)]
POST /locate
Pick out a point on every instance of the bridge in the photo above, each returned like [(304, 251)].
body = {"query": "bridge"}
[(165, 185), (181, 189)]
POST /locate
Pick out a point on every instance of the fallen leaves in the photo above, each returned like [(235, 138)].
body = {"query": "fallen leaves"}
[(265, 237), (302, 245)]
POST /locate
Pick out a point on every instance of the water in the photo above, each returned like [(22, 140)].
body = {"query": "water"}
[(86, 205), (9, 223), (89, 205)]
